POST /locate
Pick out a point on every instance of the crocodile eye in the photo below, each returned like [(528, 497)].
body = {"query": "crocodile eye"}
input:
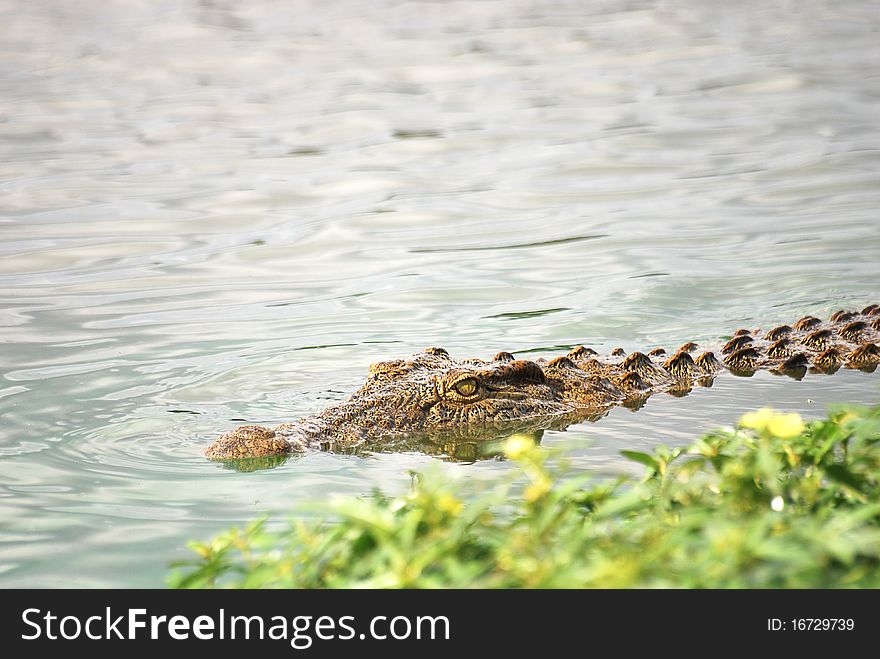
[(467, 387)]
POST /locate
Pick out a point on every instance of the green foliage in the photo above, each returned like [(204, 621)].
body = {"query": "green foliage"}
[(773, 503)]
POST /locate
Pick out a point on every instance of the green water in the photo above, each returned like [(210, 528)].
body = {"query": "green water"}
[(213, 212)]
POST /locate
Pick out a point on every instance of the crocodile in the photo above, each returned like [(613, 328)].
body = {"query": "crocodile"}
[(433, 395)]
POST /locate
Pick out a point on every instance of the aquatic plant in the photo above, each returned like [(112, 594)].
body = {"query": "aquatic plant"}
[(774, 502)]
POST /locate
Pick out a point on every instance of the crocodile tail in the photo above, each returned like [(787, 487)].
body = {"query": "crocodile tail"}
[(847, 339)]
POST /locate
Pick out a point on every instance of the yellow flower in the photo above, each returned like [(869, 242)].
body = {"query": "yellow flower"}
[(518, 446), (537, 490), (786, 426), (757, 420), (449, 504)]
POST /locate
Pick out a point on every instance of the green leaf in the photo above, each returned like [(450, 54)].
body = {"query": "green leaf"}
[(840, 474), (642, 458)]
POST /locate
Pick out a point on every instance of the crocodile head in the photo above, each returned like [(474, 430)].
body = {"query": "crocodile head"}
[(427, 395), (431, 391)]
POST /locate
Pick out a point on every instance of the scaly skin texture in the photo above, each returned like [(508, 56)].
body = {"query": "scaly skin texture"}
[(435, 397)]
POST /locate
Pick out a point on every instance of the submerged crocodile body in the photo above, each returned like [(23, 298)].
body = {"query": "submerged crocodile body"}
[(433, 395)]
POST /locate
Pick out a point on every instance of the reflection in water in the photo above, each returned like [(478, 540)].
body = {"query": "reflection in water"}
[(230, 209), (459, 448), (255, 464), (454, 447)]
